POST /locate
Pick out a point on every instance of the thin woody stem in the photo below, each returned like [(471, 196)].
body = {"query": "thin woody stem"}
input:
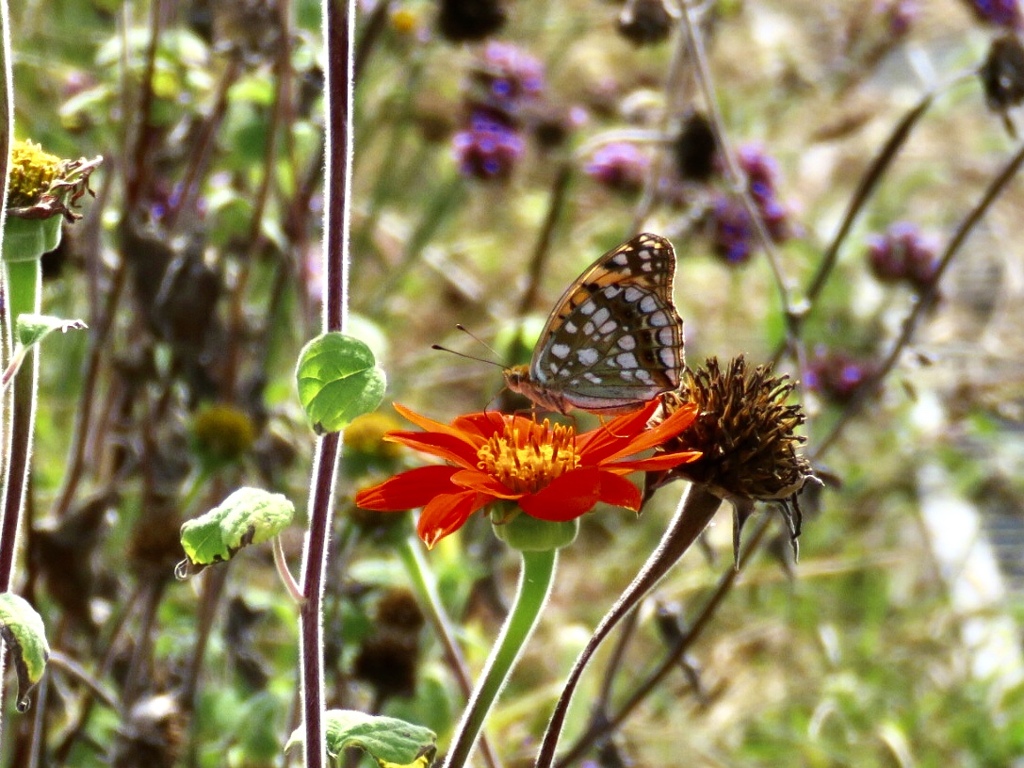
[(695, 511)]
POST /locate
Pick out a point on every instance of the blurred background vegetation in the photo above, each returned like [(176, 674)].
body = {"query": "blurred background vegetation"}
[(487, 174)]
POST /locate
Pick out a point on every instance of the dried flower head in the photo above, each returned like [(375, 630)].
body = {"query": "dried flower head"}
[(222, 433), (696, 149), (42, 185), (462, 21), (645, 22), (399, 611), (366, 435), (747, 433), (1002, 76)]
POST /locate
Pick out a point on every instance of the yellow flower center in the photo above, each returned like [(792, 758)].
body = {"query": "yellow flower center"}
[(32, 171), (526, 457)]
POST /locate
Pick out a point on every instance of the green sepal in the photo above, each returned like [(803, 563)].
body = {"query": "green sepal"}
[(338, 379), (247, 516), (528, 534), (391, 742), (22, 629), (28, 239)]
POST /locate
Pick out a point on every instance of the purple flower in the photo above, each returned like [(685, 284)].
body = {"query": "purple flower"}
[(761, 169), (1001, 13), (837, 375), (505, 79), (488, 149), (898, 15), (732, 235), (903, 254), (619, 165)]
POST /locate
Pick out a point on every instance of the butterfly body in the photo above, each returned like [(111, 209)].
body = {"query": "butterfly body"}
[(614, 339)]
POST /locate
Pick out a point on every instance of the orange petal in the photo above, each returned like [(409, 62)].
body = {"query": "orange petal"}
[(654, 463), (619, 492), (445, 446), (481, 425), (566, 497), (429, 425), (446, 513), (650, 438), (407, 490), (615, 436), (483, 483)]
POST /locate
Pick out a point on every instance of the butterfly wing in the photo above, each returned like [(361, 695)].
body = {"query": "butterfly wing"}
[(615, 338)]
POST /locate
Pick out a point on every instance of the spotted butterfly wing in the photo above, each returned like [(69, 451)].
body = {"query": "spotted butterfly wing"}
[(614, 339)]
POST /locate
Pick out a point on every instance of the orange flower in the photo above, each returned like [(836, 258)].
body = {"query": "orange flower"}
[(548, 470)]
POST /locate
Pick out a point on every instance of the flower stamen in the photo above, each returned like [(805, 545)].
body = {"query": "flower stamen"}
[(526, 457)]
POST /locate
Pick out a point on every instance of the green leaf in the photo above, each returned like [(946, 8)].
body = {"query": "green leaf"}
[(338, 380), (31, 329), (247, 516), (391, 742), (22, 629)]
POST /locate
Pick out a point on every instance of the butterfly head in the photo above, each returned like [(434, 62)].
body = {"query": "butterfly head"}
[(518, 379)]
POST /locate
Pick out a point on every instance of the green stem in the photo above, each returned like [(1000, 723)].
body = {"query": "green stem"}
[(535, 579), (23, 290), (426, 590)]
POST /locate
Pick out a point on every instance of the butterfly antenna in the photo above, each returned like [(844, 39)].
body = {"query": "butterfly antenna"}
[(468, 357), (479, 341)]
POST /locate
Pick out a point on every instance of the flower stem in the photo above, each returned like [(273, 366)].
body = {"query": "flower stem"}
[(339, 27), (535, 579), (695, 511), (426, 589)]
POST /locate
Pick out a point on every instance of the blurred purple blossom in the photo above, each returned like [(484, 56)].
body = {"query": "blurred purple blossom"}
[(732, 231), (837, 375), (619, 165), (506, 78), (899, 15), (903, 254), (1001, 13), (488, 148)]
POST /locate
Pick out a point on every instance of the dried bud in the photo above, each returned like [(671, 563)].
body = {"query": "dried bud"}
[(398, 610), (695, 149), (645, 22), (1002, 74), (461, 21)]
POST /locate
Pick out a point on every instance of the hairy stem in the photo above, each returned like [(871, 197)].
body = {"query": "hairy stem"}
[(535, 579), (339, 19), (695, 511)]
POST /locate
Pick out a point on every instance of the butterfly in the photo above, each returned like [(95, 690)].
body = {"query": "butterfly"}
[(614, 339)]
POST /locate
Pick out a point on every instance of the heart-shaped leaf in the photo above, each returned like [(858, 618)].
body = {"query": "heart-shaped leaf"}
[(247, 516), (338, 379), (393, 743)]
